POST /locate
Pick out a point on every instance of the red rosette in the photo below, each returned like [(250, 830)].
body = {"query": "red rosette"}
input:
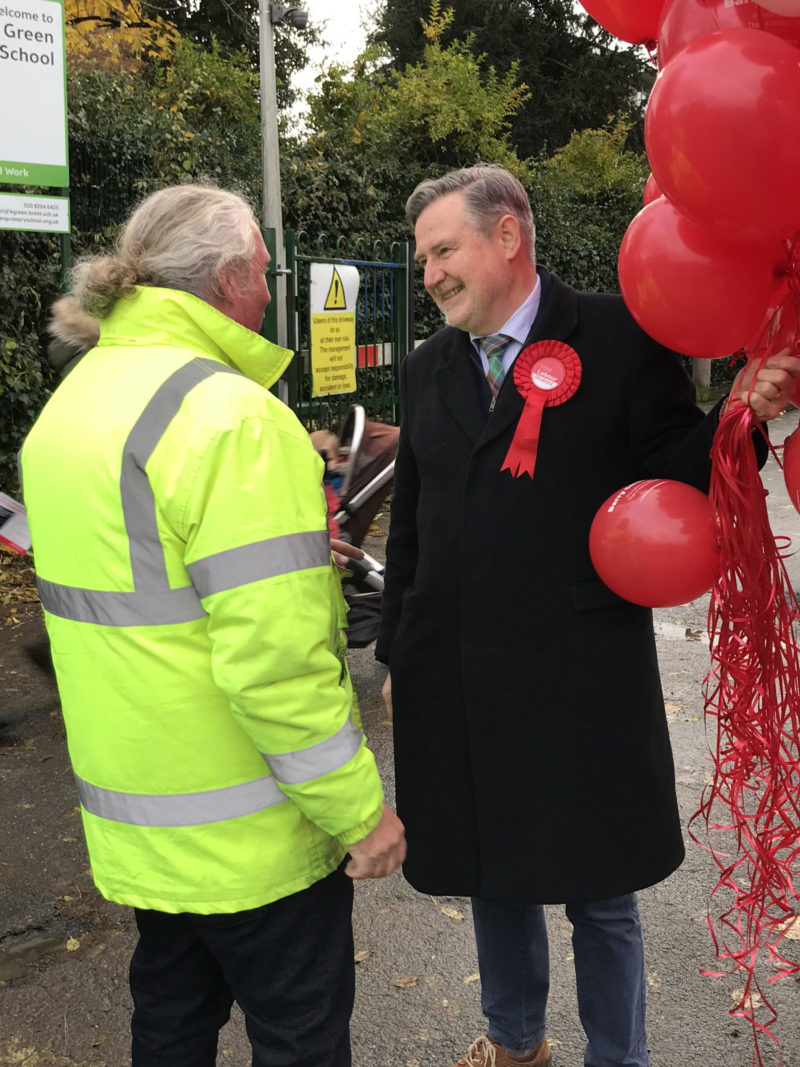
[(546, 373)]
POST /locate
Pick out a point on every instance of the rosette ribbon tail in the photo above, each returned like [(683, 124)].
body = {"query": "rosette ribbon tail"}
[(524, 448)]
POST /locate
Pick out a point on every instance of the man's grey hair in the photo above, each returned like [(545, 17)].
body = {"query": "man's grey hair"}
[(490, 191), (185, 237)]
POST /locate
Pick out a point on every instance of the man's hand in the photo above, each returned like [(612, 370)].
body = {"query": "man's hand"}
[(771, 387), (342, 551), (381, 852), (386, 693)]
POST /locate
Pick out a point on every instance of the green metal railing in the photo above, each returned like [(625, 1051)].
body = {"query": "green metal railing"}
[(383, 316)]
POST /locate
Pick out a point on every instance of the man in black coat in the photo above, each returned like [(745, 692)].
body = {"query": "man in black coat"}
[(532, 753)]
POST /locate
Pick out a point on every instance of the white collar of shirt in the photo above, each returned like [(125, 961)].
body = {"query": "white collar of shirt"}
[(517, 327)]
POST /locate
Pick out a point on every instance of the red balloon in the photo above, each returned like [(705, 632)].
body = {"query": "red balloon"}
[(721, 134), (630, 20), (782, 7), (791, 467), (683, 20), (651, 191), (654, 543), (689, 288)]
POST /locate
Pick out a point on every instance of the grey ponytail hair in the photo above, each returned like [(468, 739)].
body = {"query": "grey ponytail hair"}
[(490, 191), (184, 237)]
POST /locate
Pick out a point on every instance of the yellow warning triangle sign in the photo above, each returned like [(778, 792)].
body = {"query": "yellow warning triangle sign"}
[(336, 300)]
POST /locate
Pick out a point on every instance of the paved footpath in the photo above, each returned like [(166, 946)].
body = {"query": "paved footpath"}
[(64, 951)]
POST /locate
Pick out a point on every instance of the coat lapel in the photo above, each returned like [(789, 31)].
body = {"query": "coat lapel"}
[(455, 379), (556, 320)]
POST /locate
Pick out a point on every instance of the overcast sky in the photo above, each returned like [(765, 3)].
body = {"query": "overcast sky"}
[(341, 24)]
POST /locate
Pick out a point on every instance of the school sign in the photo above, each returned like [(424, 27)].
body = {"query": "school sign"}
[(33, 117)]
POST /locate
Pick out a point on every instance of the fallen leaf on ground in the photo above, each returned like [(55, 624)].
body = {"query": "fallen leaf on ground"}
[(362, 955), (751, 1003), (451, 913), (472, 978), (673, 709), (17, 579), (406, 983), (72, 944), (791, 928)]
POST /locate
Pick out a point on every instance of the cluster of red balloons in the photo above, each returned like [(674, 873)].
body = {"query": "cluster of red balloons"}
[(709, 266), (699, 264)]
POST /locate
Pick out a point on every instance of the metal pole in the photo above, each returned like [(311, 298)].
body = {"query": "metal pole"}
[(271, 208), (65, 242)]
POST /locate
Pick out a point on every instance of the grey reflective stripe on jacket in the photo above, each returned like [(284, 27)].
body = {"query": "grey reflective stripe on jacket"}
[(148, 563), (212, 574), (120, 609), (292, 768), (261, 559), (180, 809)]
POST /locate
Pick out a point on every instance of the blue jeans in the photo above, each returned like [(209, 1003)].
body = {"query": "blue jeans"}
[(288, 964), (514, 964)]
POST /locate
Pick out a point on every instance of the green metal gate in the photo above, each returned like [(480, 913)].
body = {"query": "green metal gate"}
[(383, 316)]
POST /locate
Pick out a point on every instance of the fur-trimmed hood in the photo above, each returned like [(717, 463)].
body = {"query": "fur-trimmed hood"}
[(73, 332), (72, 326)]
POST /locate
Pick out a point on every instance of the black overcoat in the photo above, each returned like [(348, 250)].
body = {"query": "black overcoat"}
[(533, 759)]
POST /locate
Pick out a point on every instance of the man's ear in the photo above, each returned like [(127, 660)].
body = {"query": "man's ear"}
[(222, 298), (509, 234), (227, 281)]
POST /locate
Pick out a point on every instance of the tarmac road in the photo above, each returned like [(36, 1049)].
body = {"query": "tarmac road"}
[(64, 951)]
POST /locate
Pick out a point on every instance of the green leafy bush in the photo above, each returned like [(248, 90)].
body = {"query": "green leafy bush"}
[(29, 281), (583, 198)]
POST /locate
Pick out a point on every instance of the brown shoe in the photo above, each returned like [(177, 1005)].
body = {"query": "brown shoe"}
[(487, 1053)]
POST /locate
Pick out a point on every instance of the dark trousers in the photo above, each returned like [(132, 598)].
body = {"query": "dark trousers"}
[(289, 966), (514, 962)]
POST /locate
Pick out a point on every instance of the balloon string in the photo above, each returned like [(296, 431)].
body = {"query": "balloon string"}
[(751, 810), (783, 328)]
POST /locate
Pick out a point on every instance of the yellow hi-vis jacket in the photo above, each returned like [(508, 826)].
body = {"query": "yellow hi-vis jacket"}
[(183, 561)]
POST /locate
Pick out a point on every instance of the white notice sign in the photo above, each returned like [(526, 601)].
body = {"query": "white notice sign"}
[(33, 114), (41, 214)]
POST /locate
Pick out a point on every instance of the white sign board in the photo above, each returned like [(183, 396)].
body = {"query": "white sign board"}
[(334, 289), (33, 91), (40, 214)]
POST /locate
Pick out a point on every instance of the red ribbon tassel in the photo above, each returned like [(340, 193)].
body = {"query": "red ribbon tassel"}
[(546, 373), (751, 811)]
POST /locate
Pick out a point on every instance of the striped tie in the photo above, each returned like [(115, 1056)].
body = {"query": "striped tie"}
[(493, 346)]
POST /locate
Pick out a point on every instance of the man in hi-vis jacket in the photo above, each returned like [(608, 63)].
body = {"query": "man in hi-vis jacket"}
[(195, 617)]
